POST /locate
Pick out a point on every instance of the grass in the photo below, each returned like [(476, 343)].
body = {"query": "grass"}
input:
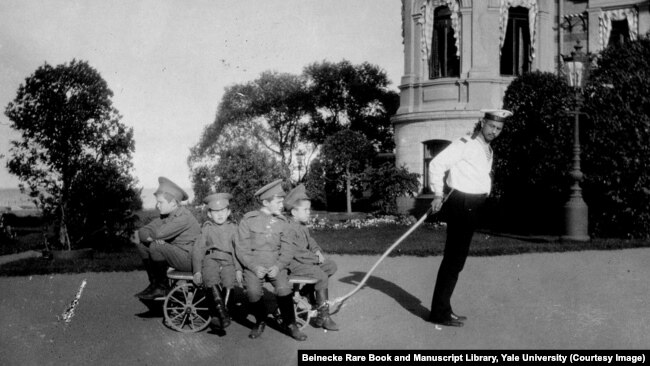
[(427, 240)]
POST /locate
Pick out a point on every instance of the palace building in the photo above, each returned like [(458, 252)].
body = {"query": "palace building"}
[(461, 55)]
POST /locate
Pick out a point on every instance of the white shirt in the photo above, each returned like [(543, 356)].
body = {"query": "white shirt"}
[(469, 162)]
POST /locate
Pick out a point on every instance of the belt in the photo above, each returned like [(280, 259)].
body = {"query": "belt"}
[(477, 195)]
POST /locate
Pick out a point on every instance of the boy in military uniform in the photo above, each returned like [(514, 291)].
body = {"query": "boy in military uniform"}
[(167, 240), (213, 258), (308, 259), (265, 253)]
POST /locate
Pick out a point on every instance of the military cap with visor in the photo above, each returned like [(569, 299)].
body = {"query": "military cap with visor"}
[(217, 201), (295, 196), (167, 186), (273, 189)]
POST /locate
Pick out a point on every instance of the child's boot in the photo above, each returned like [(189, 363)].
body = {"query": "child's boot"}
[(323, 319), (148, 266), (259, 311), (285, 303), (219, 311), (161, 287)]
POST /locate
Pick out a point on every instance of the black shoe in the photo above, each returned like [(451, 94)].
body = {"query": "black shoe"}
[(458, 317), (158, 291), (257, 330), (216, 323), (146, 291), (447, 321), (295, 332)]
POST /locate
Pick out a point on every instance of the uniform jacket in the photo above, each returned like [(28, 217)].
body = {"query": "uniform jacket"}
[(221, 239), (305, 247), (262, 241), (178, 228)]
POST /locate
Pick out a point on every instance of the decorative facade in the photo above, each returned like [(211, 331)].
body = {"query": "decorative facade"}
[(461, 55)]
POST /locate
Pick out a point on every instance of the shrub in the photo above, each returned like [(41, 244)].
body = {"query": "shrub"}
[(616, 158), (533, 154), (387, 182)]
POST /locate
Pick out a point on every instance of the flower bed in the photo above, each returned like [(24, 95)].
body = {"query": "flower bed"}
[(323, 222)]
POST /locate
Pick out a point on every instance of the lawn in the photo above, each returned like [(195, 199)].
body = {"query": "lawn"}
[(427, 240)]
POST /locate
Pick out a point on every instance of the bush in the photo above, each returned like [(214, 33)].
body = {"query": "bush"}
[(387, 182), (616, 158), (533, 154)]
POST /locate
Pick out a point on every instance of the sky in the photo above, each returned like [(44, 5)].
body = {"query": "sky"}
[(168, 62)]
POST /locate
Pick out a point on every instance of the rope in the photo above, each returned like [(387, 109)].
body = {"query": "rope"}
[(336, 303)]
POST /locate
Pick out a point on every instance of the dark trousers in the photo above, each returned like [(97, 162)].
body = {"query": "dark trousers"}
[(462, 214)]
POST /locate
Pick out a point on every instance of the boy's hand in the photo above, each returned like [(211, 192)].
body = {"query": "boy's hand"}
[(273, 271), (135, 238), (239, 277), (159, 242), (260, 271), (321, 257), (197, 278)]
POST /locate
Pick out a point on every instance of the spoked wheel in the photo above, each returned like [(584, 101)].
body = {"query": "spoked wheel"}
[(304, 312), (186, 309)]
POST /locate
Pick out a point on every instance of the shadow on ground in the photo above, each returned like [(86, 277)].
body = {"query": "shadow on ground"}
[(404, 298)]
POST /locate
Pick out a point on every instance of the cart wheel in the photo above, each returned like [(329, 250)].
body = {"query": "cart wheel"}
[(303, 311), (186, 309)]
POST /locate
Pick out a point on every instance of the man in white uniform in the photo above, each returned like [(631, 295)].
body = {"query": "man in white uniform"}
[(469, 162)]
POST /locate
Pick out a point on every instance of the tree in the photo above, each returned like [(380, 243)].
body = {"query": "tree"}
[(350, 96), (616, 155), (266, 112), (387, 182), (75, 154), (533, 154), (240, 171), (344, 157)]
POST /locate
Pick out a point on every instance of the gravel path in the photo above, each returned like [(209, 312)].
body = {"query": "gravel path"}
[(579, 300)]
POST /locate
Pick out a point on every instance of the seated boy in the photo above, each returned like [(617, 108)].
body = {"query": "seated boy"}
[(308, 259), (167, 240), (264, 254), (213, 259)]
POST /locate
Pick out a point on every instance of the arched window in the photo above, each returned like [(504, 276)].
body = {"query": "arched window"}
[(620, 32), (620, 25), (444, 61), (516, 50)]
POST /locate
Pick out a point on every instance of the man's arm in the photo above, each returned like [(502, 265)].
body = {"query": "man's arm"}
[(439, 166), (442, 163), (198, 251), (287, 247), (174, 226), (243, 250)]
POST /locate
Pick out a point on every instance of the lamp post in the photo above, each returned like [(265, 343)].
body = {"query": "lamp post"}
[(300, 155), (576, 219)]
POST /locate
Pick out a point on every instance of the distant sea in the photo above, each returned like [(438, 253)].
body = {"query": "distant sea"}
[(11, 197)]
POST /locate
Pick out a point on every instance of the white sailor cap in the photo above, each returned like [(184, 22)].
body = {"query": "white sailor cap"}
[(496, 115)]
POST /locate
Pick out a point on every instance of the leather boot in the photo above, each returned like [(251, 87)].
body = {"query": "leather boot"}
[(323, 319), (149, 268), (259, 311), (161, 288), (220, 317), (285, 303)]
